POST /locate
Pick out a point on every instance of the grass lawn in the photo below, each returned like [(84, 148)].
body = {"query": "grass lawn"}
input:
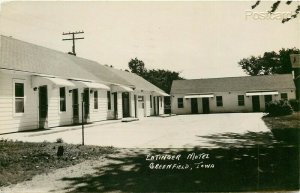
[(285, 128), (20, 161), (289, 121)]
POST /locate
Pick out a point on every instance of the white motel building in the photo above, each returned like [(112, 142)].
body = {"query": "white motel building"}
[(43, 88), (233, 94)]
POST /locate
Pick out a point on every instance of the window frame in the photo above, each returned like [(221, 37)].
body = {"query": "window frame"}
[(18, 81), (96, 97), (180, 105), (239, 100), (108, 96), (60, 100), (287, 97), (219, 103)]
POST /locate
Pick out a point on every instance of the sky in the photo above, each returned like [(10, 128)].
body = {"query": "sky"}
[(204, 39)]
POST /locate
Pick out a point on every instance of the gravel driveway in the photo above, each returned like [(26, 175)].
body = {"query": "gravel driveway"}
[(182, 131)]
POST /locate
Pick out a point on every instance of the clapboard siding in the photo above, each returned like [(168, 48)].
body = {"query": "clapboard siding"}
[(9, 121), (99, 114)]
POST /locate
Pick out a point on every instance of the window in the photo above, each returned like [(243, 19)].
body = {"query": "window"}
[(241, 100), (284, 96), (268, 98), (180, 102), (219, 101), (108, 100), (62, 96), (95, 99), (19, 97), (150, 101)]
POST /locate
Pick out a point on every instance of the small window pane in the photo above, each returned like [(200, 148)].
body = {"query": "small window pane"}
[(19, 105), (19, 90)]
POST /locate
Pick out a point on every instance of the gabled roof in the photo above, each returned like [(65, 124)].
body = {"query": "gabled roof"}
[(245, 83), (27, 57), (139, 82)]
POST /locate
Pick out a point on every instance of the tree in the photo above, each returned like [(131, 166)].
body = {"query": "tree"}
[(137, 66), (275, 6), (269, 63), (161, 78)]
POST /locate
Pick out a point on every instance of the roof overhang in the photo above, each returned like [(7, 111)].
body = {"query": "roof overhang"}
[(121, 88), (199, 96), (160, 93), (93, 85), (259, 93), (55, 81)]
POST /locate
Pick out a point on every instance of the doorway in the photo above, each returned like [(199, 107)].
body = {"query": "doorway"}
[(154, 105), (86, 100), (205, 104), (157, 105), (75, 106), (135, 106), (125, 104), (255, 104), (194, 105), (268, 98), (115, 105), (43, 107)]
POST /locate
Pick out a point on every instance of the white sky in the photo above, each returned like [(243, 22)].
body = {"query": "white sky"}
[(199, 39)]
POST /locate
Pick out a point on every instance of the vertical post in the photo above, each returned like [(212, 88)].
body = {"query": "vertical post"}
[(73, 44), (82, 120)]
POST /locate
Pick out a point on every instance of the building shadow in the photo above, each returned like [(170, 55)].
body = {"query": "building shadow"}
[(254, 162)]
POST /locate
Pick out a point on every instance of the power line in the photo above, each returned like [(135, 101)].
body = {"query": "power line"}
[(73, 39)]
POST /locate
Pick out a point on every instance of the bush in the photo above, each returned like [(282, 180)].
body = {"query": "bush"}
[(59, 140), (279, 108), (295, 104)]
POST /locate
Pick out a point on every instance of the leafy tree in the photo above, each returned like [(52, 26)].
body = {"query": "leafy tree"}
[(161, 78), (275, 6), (137, 66), (270, 63)]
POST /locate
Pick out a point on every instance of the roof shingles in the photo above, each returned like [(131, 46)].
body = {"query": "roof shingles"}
[(246, 83)]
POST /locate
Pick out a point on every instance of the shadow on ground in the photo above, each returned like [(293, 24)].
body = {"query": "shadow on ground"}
[(241, 162)]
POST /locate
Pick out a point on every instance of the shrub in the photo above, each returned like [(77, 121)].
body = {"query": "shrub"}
[(279, 108), (295, 104), (59, 140)]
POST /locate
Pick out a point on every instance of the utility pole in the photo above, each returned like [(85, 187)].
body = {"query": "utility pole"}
[(73, 39)]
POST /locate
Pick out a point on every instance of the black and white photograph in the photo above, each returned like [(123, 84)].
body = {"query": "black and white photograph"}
[(149, 96)]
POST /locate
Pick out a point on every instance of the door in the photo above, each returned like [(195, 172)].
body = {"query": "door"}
[(115, 105), (205, 104), (154, 105), (255, 104), (75, 106), (194, 105), (125, 104), (135, 106), (43, 107), (268, 98), (157, 105), (86, 100)]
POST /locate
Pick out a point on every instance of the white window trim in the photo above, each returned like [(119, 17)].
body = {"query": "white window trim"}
[(14, 101), (95, 110), (66, 92)]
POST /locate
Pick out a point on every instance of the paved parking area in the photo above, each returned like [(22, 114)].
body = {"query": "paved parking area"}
[(182, 131)]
